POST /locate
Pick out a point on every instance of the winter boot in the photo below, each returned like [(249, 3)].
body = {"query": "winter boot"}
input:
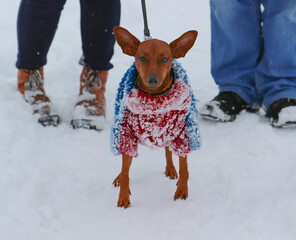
[(90, 109), (224, 107), (282, 113), (30, 84)]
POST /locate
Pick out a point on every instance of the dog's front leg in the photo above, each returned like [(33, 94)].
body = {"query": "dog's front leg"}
[(170, 170), (124, 200), (182, 187)]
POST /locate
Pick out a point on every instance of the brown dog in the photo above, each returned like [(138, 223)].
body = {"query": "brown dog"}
[(153, 60)]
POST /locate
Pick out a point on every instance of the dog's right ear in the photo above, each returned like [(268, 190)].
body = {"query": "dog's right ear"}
[(128, 42), (183, 44)]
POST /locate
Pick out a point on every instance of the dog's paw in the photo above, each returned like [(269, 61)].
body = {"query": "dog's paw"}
[(171, 172), (181, 192), (123, 201)]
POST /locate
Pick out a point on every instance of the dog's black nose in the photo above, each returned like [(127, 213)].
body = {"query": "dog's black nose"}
[(153, 80)]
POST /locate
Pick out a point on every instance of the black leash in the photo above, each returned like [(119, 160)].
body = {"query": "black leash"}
[(146, 29)]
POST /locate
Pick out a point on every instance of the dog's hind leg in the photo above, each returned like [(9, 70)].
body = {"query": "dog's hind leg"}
[(124, 200), (170, 170), (182, 187)]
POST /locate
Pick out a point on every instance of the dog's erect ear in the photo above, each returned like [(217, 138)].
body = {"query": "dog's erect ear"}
[(182, 44), (128, 42)]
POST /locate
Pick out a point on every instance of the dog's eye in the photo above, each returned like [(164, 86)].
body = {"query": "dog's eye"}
[(164, 59), (142, 59)]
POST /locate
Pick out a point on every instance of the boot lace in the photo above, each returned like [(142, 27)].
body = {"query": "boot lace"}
[(93, 80), (34, 81)]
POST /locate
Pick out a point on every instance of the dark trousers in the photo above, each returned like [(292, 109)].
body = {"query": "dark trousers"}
[(38, 20)]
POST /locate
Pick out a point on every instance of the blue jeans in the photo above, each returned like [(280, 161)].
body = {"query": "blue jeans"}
[(254, 53), (38, 21)]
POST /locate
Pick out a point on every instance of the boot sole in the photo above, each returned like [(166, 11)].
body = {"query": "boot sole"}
[(215, 118), (284, 125), (84, 123), (49, 120)]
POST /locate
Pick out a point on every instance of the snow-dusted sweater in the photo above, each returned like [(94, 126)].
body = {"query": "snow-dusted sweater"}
[(168, 120)]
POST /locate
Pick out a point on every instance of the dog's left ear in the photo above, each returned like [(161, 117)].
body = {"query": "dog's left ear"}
[(183, 44)]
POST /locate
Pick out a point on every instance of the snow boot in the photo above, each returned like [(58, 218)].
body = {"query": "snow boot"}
[(30, 84), (282, 113), (224, 107), (90, 109)]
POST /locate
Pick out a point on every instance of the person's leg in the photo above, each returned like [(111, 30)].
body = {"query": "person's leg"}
[(36, 25), (276, 72), (98, 18), (236, 50), (236, 46)]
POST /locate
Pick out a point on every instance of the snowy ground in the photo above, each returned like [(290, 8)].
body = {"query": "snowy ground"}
[(55, 183)]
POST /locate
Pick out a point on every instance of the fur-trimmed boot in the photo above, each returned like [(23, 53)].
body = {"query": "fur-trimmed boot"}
[(30, 84), (90, 109)]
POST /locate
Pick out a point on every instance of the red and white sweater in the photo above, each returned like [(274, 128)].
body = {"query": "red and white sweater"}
[(156, 121)]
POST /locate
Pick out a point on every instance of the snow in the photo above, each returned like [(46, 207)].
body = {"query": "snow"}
[(56, 183), (285, 115)]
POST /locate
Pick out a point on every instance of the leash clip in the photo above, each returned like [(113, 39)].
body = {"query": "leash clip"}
[(147, 37), (146, 29)]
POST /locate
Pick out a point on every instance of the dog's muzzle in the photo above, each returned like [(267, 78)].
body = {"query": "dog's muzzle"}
[(153, 80)]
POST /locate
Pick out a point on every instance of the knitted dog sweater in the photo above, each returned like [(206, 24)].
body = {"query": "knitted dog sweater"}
[(155, 121)]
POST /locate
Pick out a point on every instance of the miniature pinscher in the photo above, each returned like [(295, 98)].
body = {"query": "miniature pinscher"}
[(153, 60)]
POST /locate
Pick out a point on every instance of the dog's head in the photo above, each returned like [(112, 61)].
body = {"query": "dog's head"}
[(153, 57)]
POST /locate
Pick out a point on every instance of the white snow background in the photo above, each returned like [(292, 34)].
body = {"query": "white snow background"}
[(56, 183)]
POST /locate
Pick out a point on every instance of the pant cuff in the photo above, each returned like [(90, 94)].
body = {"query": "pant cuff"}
[(252, 101)]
